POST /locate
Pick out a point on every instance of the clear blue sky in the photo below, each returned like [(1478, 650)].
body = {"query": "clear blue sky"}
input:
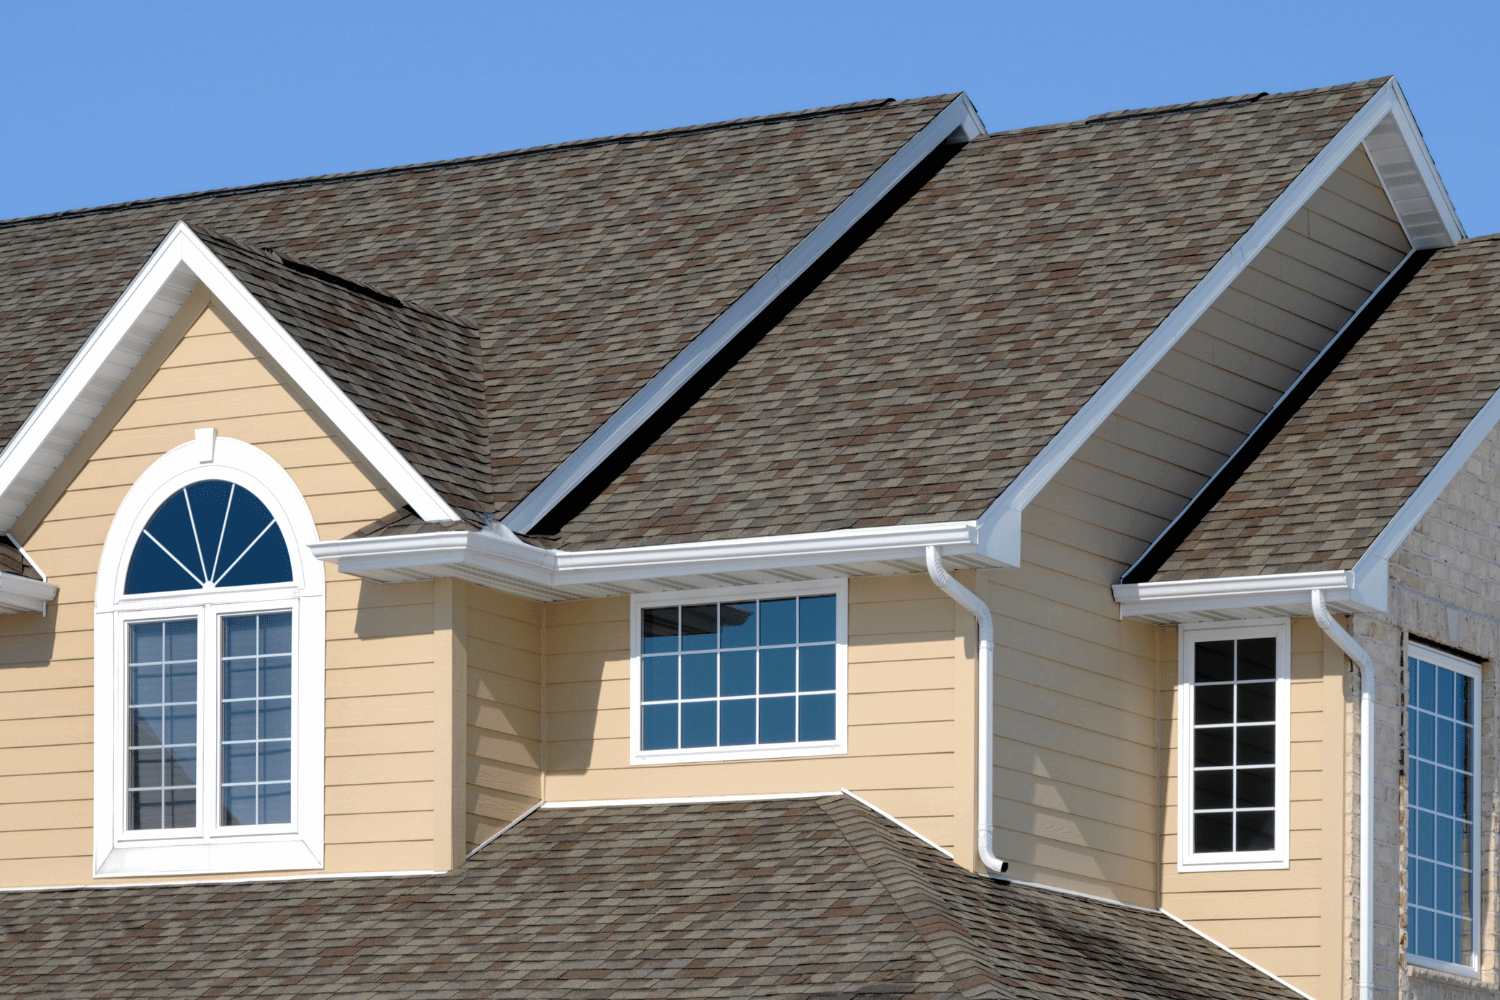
[(102, 103)]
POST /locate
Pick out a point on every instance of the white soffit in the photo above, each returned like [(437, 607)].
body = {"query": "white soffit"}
[(1000, 525), (495, 558), (180, 264), (957, 123), (1233, 598)]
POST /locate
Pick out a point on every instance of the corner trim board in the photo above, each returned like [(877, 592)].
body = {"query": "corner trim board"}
[(956, 123)]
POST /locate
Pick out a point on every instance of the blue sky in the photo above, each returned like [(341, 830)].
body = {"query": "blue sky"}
[(111, 102)]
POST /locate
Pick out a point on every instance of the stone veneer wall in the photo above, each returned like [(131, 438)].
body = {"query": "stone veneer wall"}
[(1445, 588)]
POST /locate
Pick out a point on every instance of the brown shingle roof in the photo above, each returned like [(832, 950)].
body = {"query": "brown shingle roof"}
[(1321, 491), (779, 898), (585, 266), (925, 372)]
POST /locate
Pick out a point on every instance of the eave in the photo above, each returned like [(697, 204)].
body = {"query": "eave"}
[(497, 559), (21, 595), (1273, 595)]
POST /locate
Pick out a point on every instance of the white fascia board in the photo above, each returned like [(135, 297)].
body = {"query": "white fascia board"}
[(178, 267), (1198, 600), (447, 553), (1000, 525), (20, 595), (957, 123)]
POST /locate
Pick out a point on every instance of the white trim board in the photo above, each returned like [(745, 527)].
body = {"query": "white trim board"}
[(1000, 525), (496, 558), (956, 123), (178, 267)]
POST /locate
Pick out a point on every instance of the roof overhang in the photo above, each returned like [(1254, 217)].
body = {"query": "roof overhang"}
[(1239, 597), (1385, 128), (496, 558), (179, 267), (21, 595)]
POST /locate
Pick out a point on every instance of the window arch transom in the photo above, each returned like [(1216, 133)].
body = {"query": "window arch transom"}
[(210, 534)]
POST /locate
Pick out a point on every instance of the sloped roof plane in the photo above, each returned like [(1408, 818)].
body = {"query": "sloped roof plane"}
[(584, 267), (781, 897)]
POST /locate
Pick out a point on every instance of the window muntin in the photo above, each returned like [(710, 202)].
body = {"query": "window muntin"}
[(739, 673), (211, 533), (256, 736), (1442, 775), (1234, 745), (162, 730)]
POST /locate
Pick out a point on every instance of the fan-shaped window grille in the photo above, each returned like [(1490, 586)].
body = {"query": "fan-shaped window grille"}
[(209, 534)]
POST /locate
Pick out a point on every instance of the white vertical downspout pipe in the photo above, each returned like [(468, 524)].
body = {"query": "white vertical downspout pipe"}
[(986, 738), (1357, 653)]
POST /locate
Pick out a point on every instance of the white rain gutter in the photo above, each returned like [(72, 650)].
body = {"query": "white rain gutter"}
[(986, 739), (1357, 653), (23, 595)]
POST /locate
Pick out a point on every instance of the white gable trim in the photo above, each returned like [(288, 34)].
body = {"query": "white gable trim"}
[(957, 123), (180, 265), (1000, 525)]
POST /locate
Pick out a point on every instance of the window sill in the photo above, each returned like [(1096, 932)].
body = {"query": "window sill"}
[(1448, 974), (711, 754), (1230, 865), (286, 852)]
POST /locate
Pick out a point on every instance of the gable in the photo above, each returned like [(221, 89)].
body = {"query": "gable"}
[(380, 729)]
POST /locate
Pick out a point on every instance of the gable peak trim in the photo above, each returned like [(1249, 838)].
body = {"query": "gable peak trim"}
[(182, 264), (1000, 525)]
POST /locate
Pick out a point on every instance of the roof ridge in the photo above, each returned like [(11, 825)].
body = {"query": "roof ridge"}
[(1209, 104), (432, 165), (951, 943)]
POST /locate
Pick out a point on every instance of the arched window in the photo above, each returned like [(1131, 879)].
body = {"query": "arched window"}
[(209, 629)]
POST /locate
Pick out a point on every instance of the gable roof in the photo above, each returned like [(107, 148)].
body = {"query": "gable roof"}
[(785, 897), (585, 267), (1357, 453), (929, 369)]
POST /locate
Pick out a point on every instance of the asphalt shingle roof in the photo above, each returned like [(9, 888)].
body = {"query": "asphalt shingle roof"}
[(791, 897), (1341, 468), (585, 267), (924, 373)]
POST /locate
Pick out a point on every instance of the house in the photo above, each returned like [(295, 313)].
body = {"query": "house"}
[(841, 552)]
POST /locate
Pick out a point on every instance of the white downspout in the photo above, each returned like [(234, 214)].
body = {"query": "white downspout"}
[(1357, 653), (986, 736)]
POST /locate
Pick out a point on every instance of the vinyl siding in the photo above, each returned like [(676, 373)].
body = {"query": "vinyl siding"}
[(911, 711), (380, 693), (1289, 920)]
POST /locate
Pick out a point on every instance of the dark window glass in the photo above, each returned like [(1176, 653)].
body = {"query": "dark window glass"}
[(1234, 745), (212, 533), (162, 736)]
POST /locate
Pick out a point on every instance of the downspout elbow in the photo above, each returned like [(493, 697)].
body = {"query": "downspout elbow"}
[(1366, 666), (986, 738)]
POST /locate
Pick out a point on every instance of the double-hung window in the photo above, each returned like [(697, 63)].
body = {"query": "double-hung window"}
[(1442, 842), (739, 673), (1234, 743), (208, 675)]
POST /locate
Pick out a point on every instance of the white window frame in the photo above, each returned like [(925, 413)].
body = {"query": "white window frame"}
[(209, 847), (838, 587), (1474, 672), (1189, 860)]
